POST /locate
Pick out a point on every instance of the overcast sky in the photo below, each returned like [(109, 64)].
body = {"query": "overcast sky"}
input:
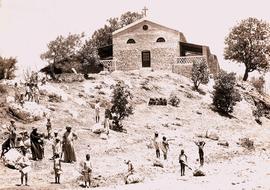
[(26, 26)]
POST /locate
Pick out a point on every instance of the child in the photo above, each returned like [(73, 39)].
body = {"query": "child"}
[(57, 168), (87, 170), (97, 110), (164, 147), (49, 128), (182, 161), (156, 145), (24, 167), (130, 171)]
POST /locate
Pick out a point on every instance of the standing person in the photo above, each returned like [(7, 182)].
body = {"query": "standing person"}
[(164, 147), (87, 170), (56, 147), (107, 125), (35, 93), (68, 145), (28, 91), (200, 145), (130, 171), (12, 133), (182, 161), (97, 111), (24, 167), (156, 144), (36, 145), (57, 168), (49, 128), (21, 100)]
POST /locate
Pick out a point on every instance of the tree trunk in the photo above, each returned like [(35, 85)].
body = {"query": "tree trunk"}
[(245, 75)]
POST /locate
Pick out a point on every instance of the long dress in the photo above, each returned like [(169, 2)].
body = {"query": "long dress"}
[(36, 146), (68, 147)]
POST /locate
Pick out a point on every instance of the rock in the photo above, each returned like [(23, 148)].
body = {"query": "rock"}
[(73, 113), (198, 172), (134, 178), (223, 143), (211, 135), (71, 77), (52, 108), (98, 128), (53, 92), (30, 111), (103, 136), (11, 157), (80, 101), (246, 143), (10, 99), (158, 163)]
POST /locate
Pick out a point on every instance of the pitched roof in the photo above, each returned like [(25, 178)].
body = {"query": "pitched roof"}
[(140, 21)]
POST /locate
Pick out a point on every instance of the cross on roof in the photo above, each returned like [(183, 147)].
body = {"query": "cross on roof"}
[(145, 11)]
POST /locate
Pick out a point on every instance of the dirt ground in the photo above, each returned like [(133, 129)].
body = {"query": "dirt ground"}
[(232, 167)]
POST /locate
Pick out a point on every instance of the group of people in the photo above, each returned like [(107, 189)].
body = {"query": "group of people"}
[(164, 147), (31, 90)]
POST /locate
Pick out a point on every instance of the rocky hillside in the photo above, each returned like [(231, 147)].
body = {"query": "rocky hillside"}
[(232, 167)]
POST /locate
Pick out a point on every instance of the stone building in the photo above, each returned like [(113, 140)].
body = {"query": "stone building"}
[(146, 44)]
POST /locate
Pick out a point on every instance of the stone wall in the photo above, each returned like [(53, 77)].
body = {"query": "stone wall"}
[(163, 54), (184, 70)]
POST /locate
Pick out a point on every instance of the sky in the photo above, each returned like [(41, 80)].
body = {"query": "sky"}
[(26, 26)]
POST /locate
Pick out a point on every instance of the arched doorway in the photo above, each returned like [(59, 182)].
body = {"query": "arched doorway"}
[(146, 59)]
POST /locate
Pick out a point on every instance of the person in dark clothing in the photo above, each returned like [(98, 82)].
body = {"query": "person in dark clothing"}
[(200, 145), (36, 145)]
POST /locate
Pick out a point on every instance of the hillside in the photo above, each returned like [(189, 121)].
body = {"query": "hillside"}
[(232, 167)]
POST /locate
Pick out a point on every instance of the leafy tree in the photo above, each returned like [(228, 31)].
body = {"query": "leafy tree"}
[(7, 67), (62, 50), (225, 94), (120, 105), (88, 56), (249, 43), (103, 36), (199, 74)]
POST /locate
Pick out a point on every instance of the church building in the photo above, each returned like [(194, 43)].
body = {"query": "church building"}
[(146, 44)]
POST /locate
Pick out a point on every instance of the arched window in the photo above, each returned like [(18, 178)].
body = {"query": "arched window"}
[(131, 41), (160, 39)]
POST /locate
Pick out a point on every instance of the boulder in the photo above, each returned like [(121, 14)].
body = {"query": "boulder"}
[(11, 157), (53, 92), (103, 136), (158, 163), (30, 111), (223, 143), (211, 135), (71, 77), (134, 178), (10, 99), (98, 128), (198, 172)]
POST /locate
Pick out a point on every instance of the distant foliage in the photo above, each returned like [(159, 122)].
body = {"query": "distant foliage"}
[(258, 83), (103, 36), (7, 67), (120, 105), (174, 100), (200, 74), (225, 94), (248, 43)]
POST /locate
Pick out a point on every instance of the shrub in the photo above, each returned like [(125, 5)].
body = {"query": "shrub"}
[(120, 105), (258, 83), (225, 94), (7, 67), (199, 74), (174, 100), (3, 89)]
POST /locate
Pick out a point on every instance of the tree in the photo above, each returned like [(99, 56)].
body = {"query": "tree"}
[(103, 36), (249, 43), (199, 74), (88, 56), (62, 50), (120, 105), (225, 94), (7, 67)]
